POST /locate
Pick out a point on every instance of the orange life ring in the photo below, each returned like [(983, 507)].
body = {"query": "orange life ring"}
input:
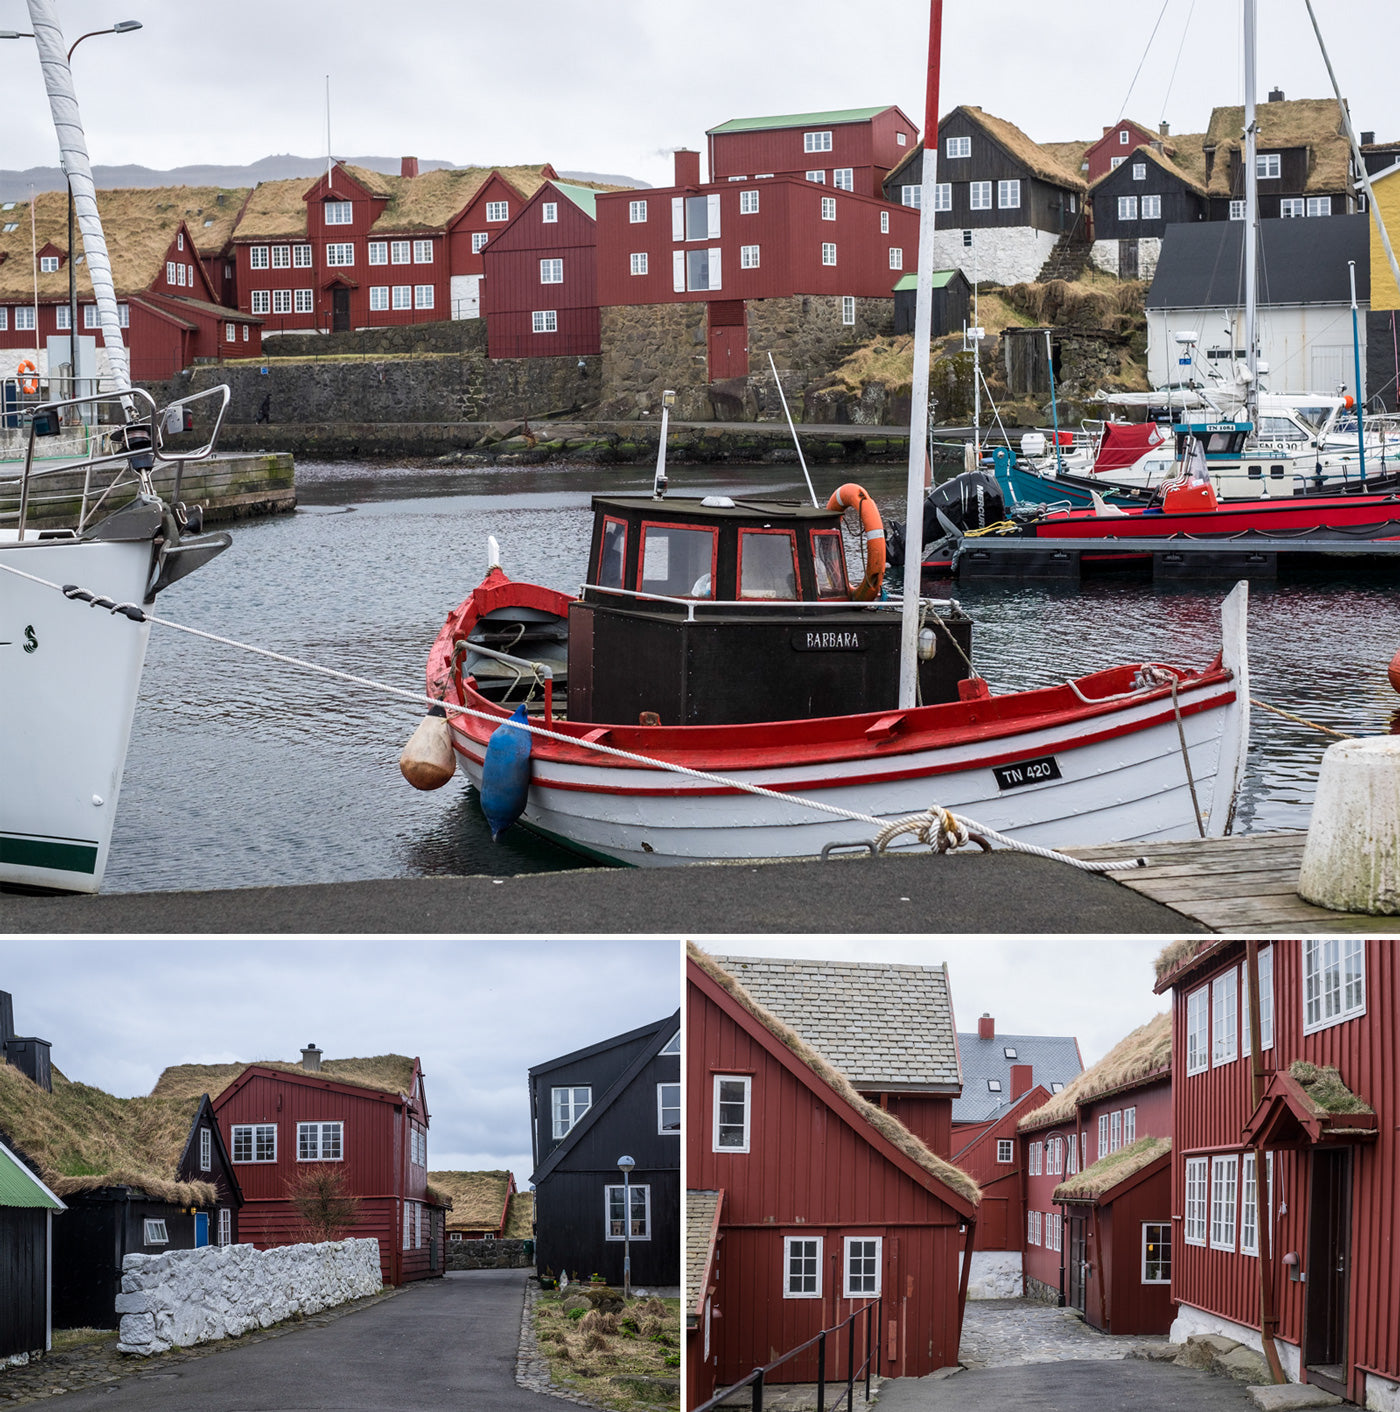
[(29, 386), (855, 497)]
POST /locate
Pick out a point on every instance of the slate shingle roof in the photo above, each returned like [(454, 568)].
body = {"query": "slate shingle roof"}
[(883, 1026), (1053, 1059)]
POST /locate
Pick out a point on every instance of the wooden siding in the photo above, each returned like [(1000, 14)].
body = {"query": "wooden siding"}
[(472, 220), (773, 1191), (1002, 1222), (24, 1279), (1179, 202), (1100, 155), (1117, 1301)]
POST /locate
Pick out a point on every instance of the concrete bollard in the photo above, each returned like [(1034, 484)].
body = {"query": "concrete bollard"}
[(1351, 862)]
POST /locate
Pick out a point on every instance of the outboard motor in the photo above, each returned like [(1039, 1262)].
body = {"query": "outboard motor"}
[(969, 501)]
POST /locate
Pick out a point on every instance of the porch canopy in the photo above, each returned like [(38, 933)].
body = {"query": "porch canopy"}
[(1308, 1105)]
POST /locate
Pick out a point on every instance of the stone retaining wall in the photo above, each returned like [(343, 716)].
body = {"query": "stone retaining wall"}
[(185, 1297), (487, 1255), (447, 336)]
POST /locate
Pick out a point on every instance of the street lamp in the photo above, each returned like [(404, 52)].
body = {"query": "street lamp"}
[(625, 1165)]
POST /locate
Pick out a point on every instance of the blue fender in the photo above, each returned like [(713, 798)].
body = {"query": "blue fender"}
[(505, 777)]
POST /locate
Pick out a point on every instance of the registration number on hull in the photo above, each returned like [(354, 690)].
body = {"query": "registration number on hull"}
[(1026, 772)]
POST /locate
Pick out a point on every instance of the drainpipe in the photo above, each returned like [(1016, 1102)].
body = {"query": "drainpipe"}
[(1264, 1233)]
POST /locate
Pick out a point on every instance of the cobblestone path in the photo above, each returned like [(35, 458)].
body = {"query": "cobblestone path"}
[(1004, 1333)]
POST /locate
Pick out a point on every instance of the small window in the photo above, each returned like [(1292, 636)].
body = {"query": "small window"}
[(497, 211), (1123, 137), (1116, 1128), (1057, 1088), (843, 178), (320, 1142), (1103, 1135), (1224, 1175), (884, 222), (254, 1142), (677, 561), (980, 195), (828, 558), (896, 257), (1004, 1146), (672, 1045), (1127, 208), (64, 315), (1224, 1018), (379, 252), (340, 254), (816, 142), (48, 263), (400, 252), (913, 196), (225, 1226), (301, 257), (230, 333), (942, 196), (257, 259), (802, 1267), (544, 321), (1009, 195), (1129, 1126), (1268, 166), (261, 301), (748, 257), (1009, 1052), (848, 308), (993, 1085), (639, 262), (1115, 162), (206, 1138), (637, 212), (568, 1105), (422, 252), (1037, 1155), (828, 253), (731, 1132), (281, 257), (902, 139), (479, 239), (623, 1224), (1334, 982), (378, 298), (1292, 206), (155, 1233), (818, 177), (401, 296), (959, 147), (748, 203), (862, 1267), (423, 295), (768, 564), (549, 213), (24, 316), (281, 301), (304, 301), (1198, 1031), (668, 1109), (828, 210), (1319, 205), (1152, 208), (339, 213), (1139, 171), (1237, 210)]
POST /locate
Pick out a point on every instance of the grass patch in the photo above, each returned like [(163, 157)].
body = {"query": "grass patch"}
[(65, 1340), (598, 1355)]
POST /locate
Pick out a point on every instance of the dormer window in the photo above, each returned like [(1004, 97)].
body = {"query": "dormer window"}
[(1057, 1088), (339, 213), (48, 264)]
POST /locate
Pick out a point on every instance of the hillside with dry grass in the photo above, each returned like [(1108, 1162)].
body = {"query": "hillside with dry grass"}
[(626, 1358)]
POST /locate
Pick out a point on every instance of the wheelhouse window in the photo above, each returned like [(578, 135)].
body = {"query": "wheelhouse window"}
[(668, 1109), (254, 1142), (1334, 982), (768, 564), (567, 1106), (320, 1142), (625, 1224), (802, 1267), (1224, 1018), (612, 553), (829, 563), (1156, 1253), (678, 561), (862, 1265), (1198, 1031), (1197, 1201), (732, 1093)]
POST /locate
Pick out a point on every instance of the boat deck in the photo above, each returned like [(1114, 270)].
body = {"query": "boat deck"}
[(1245, 885)]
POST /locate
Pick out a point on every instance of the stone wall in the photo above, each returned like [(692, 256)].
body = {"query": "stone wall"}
[(648, 348), (1107, 256), (1190, 1320), (185, 1297), (1041, 1292), (455, 336), (1004, 254), (487, 1255), (995, 1274)]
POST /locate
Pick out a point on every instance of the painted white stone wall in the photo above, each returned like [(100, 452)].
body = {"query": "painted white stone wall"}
[(185, 1297), (995, 1274), (466, 296), (1190, 1320), (1382, 1395), (998, 255), (1149, 253), (1105, 255)]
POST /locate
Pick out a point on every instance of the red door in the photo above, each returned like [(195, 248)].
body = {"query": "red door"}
[(729, 341)]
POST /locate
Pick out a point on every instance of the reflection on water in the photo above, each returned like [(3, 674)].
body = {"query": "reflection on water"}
[(243, 771)]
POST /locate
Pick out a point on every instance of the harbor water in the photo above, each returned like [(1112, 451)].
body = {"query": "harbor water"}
[(247, 772)]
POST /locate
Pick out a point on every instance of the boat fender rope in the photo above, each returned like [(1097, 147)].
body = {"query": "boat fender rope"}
[(1300, 720), (127, 610)]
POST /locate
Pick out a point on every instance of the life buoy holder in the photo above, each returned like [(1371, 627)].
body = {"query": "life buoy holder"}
[(27, 385), (855, 497)]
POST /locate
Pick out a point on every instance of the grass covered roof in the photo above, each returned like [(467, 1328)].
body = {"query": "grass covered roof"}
[(1102, 1176), (520, 1224), (891, 1129), (385, 1073), (81, 1138), (478, 1198), (1144, 1054), (1177, 954), (1314, 123), (1324, 1089), (1041, 161)]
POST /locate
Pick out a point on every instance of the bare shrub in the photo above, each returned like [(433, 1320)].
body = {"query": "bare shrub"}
[(321, 1196)]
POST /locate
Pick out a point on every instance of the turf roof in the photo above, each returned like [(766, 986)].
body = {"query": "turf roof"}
[(1144, 1054), (385, 1073), (1323, 1088), (1314, 123), (520, 1224), (1101, 1177), (1035, 157), (478, 1198)]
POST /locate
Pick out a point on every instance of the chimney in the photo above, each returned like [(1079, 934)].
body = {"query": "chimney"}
[(986, 1028), (1108, 130), (1021, 1080), (1276, 95), (7, 1018), (311, 1059), (687, 167), (1367, 138), (408, 166), (1164, 128)]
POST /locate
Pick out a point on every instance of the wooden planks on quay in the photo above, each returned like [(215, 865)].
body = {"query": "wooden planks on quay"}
[(1244, 885)]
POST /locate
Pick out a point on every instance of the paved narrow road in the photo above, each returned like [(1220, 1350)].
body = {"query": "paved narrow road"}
[(444, 1345)]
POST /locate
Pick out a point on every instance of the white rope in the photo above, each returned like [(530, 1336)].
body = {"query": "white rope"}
[(968, 826)]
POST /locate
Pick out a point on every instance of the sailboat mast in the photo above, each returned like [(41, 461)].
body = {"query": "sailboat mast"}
[(1251, 215), (918, 392)]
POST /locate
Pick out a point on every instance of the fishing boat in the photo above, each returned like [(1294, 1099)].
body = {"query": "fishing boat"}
[(86, 543)]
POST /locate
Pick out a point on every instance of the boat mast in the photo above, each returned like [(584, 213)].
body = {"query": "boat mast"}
[(1251, 214), (918, 397)]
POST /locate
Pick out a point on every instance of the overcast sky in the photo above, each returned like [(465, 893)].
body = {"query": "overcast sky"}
[(1097, 991), (478, 1014), (614, 85)]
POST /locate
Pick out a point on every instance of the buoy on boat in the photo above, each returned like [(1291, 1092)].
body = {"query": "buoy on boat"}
[(505, 775), (427, 761), (1394, 672), (855, 497)]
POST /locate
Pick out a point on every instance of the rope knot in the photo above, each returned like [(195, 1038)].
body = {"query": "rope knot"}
[(938, 827)]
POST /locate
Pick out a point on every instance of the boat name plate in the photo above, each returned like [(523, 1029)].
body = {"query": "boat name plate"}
[(1026, 772), (829, 640)]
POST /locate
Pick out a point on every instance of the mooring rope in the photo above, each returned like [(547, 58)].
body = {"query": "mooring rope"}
[(935, 813), (1300, 720)]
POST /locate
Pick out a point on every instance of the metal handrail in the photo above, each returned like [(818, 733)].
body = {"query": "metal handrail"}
[(757, 1379)]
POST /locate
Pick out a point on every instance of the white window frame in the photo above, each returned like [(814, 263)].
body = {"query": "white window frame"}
[(408, 1225), (24, 316), (48, 264), (1115, 162), (829, 253), (1030, 1228), (816, 142), (1195, 1227), (1319, 205), (316, 1144), (400, 252), (301, 257), (672, 1045), (1009, 194), (154, 1231), (1123, 137), (636, 213), (958, 147), (552, 271), (206, 1150), (1129, 1126), (1104, 1148), (1249, 1206), (1321, 958), (639, 262), (979, 196), (896, 257), (1198, 1031), (340, 254), (661, 1107), (913, 196), (4, 318), (1224, 1018), (339, 213), (260, 301), (631, 1189), (1237, 211), (1005, 1150), (847, 1292), (401, 296), (749, 256), (828, 208), (304, 301), (378, 298), (63, 317), (422, 252), (549, 213), (281, 301), (1127, 208), (257, 260), (848, 309), (816, 1256), (1268, 166), (1036, 1152), (424, 296), (1156, 1226), (544, 321), (843, 178), (230, 333), (1292, 207), (1072, 1154), (497, 212), (281, 257), (378, 252), (1115, 1127), (225, 1226), (884, 222), (563, 1116), (1139, 171), (818, 177), (479, 239), (748, 203), (942, 196), (1151, 207), (257, 1137), (747, 1081), (1224, 1202)]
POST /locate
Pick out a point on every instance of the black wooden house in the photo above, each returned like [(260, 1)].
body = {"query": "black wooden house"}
[(27, 1209), (952, 303), (620, 1097), (1143, 195)]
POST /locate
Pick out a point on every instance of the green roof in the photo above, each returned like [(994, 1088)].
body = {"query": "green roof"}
[(940, 280), (839, 115), (20, 1187), (584, 197)]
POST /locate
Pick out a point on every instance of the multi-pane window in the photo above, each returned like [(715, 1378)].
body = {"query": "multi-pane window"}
[(1224, 1182), (301, 257), (1123, 138), (378, 297), (567, 1106), (549, 213), (400, 252), (320, 1142), (1249, 1207), (1224, 1018), (4, 318), (1115, 1127), (862, 1267), (401, 296), (497, 211), (64, 315), (479, 239), (732, 1094), (230, 333), (748, 203), (1071, 1160), (281, 257), (1115, 162), (1156, 1253), (254, 1142), (1197, 1201), (551, 272), (1004, 1146), (1291, 206), (1198, 1031), (206, 1138), (339, 213), (979, 195), (1036, 1151), (1057, 1225), (1129, 1126), (1319, 205), (340, 253), (639, 262), (848, 308), (422, 252), (281, 301), (828, 253), (1127, 208), (1237, 210), (304, 301), (816, 142), (884, 222), (1104, 1148), (544, 321), (818, 177), (24, 316), (636, 212), (1009, 195), (1139, 171), (843, 178), (942, 196), (257, 259), (624, 1223), (379, 252), (1033, 1227), (748, 257), (225, 1226), (896, 257), (1267, 166), (958, 147), (1334, 982), (154, 1232), (802, 1267), (423, 295), (668, 1108), (828, 208), (1152, 208), (261, 301), (914, 196), (48, 264)]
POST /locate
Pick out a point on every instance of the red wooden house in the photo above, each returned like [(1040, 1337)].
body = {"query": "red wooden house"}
[(852, 149), (169, 307), (1098, 1188), (799, 1242), (367, 1118), (1117, 144), (729, 243), (1286, 1167), (541, 294)]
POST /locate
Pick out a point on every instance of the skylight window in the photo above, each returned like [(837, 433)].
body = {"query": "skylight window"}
[(993, 1085), (1009, 1052)]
